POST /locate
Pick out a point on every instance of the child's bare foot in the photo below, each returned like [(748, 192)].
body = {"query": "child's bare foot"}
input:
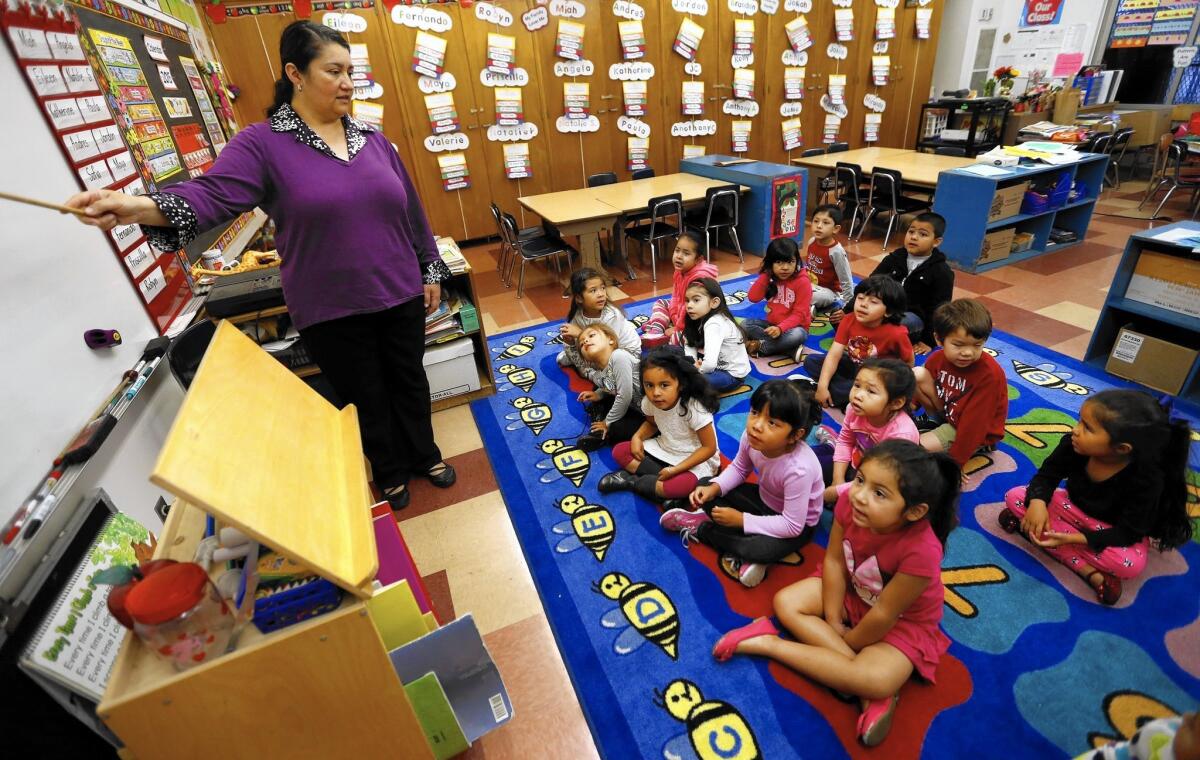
[(732, 642)]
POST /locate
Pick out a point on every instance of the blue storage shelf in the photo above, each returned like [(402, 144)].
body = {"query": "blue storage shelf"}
[(754, 213), (965, 200), (1119, 311)]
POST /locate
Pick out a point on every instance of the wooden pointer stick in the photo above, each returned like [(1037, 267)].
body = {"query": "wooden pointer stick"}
[(43, 204)]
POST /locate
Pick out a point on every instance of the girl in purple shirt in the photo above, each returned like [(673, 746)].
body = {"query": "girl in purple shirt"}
[(359, 266)]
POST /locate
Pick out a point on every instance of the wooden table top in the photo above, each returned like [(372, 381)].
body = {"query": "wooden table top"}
[(606, 201), (916, 168)]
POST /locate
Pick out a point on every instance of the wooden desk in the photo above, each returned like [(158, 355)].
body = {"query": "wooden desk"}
[(921, 169)]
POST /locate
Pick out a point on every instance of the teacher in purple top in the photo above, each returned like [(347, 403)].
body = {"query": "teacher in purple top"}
[(360, 269)]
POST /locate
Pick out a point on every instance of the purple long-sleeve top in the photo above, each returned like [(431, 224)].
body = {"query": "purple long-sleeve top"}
[(352, 235), (790, 484)]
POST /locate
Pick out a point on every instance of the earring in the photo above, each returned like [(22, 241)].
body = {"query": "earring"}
[(301, 87)]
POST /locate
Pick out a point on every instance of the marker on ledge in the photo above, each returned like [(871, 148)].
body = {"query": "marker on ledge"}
[(40, 513)]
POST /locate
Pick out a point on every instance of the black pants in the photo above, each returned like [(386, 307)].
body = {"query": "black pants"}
[(749, 547), (842, 381), (623, 429), (374, 362)]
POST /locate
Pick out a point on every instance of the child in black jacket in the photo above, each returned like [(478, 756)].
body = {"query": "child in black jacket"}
[(927, 279)]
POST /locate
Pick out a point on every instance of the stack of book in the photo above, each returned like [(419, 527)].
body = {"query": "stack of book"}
[(451, 255), (454, 317)]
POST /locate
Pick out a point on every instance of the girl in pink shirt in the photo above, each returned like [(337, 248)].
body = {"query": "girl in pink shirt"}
[(785, 286), (883, 389), (756, 525), (869, 619)]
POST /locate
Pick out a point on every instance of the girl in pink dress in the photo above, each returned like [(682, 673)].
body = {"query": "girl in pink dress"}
[(869, 619)]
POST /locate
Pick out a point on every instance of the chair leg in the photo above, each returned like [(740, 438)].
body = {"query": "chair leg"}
[(888, 233), (1151, 189), (653, 268), (866, 220), (1166, 197), (737, 243), (521, 280)]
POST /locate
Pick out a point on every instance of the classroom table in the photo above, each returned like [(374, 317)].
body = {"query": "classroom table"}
[(586, 211), (917, 169)]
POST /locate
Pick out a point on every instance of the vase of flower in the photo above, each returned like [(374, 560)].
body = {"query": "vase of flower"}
[(1005, 76)]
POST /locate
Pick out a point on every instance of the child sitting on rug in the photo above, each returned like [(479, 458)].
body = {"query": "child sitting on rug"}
[(613, 406), (869, 619), (962, 388), (872, 329), (756, 525), (921, 267), (1124, 463), (1175, 738), (882, 391), (828, 264), (712, 338), (788, 292), (589, 305), (667, 315), (677, 444)]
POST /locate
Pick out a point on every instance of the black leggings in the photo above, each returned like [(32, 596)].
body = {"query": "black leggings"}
[(750, 547), (621, 430), (842, 381)]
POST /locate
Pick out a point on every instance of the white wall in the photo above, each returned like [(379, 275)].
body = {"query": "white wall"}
[(59, 278), (964, 20)]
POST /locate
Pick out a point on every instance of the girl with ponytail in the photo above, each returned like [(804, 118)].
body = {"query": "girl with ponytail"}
[(1125, 465), (869, 619)]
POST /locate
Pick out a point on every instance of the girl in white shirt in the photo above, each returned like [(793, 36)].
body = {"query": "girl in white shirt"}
[(676, 446), (712, 338)]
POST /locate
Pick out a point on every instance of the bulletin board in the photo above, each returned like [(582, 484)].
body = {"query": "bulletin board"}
[(119, 86)]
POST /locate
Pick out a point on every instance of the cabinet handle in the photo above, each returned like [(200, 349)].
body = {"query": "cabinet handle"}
[(472, 126), (609, 96)]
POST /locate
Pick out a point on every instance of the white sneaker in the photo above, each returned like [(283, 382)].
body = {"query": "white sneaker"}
[(749, 574), (799, 357)]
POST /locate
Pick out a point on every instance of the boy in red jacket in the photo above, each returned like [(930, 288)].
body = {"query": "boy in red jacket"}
[(667, 317), (961, 386), (788, 291)]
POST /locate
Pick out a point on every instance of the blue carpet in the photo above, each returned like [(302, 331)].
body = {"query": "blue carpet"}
[(1037, 667)]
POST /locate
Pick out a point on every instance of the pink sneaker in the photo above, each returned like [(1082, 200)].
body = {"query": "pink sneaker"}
[(876, 720), (679, 520)]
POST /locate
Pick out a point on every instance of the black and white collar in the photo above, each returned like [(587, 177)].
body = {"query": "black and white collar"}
[(285, 119)]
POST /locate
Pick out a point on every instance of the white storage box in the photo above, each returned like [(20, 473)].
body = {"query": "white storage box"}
[(450, 368)]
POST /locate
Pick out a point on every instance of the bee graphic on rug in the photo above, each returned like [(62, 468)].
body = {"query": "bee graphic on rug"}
[(646, 608), (714, 729), (1046, 376), (591, 526), (516, 377), (736, 297), (555, 338), (533, 414), (566, 460), (515, 350)]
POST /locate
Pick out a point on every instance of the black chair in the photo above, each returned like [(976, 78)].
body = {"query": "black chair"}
[(886, 196), (720, 211), (603, 178), (949, 151), (1116, 153), (661, 208), (1104, 145), (646, 173), (186, 351), (534, 248), (839, 147), (1173, 176), (507, 247), (848, 187)]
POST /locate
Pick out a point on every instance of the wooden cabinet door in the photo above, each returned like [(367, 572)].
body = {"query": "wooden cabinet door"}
[(463, 213), (911, 77), (505, 191), (249, 50), (673, 75), (609, 53)]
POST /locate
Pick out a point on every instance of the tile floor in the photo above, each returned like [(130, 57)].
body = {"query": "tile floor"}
[(465, 545)]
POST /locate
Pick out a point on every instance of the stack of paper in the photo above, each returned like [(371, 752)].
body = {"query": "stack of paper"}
[(885, 23), (442, 116), (1045, 129), (516, 160), (455, 175), (871, 125), (924, 16), (791, 134), (843, 24), (837, 89), (509, 109), (693, 98), (633, 40), (743, 36), (741, 136), (832, 125), (743, 84), (798, 36), (638, 153), (569, 43), (576, 101), (442, 325), (793, 83), (635, 99), (880, 65), (451, 255), (693, 151), (429, 55), (502, 51), (687, 39)]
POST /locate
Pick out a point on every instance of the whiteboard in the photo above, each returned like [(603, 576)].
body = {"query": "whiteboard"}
[(59, 278)]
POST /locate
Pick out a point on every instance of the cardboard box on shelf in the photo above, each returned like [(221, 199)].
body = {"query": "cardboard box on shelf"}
[(1166, 281), (996, 245), (1022, 241), (1154, 363), (1007, 201), (451, 369)]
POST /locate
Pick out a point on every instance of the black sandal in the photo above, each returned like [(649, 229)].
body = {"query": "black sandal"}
[(441, 475), (398, 497)]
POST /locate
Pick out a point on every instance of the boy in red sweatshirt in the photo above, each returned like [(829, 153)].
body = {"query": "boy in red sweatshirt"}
[(667, 317), (961, 386), (788, 291)]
